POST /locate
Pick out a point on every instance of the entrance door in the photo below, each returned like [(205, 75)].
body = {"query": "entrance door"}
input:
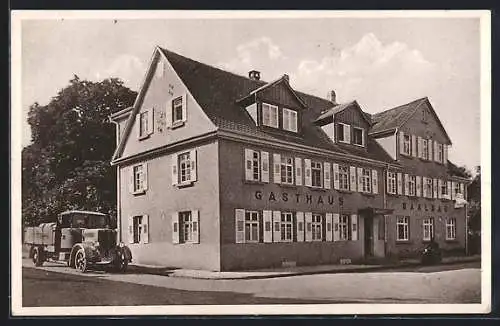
[(368, 236)]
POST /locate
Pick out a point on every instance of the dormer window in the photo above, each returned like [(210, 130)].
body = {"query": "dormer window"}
[(358, 136), (289, 120), (269, 115), (343, 133)]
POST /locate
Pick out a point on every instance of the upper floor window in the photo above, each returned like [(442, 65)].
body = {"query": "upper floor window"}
[(366, 180), (286, 170), (391, 182), (406, 144), (412, 185), (289, 120), (428, 186), (177, 110), (139, 178), (269, 115), (253, 165), (343, 177), (425, 149), (440, 153), (444, 188), (343, 133), (316, 174), (358, 136), (456, 189), (184, 168)]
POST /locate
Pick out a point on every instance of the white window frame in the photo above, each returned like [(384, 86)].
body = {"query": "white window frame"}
[(429, 188), (186, 226), (425, 149), (267, 108), (143, 124), (286, 224), (252, 220), (137, 228), (344, 181), (456, 189), (444, 186), (254, 165), (440, 153), (451, 228), (316, 167), (340, 135), (139, 177), (317, 225), (286, 170), (412, 185), (428, 229), (403, 222), (407, 144), (366, 184), (392, 182), (177, 102), (289, 120), (181, 158), (362, 136), (344, 227)]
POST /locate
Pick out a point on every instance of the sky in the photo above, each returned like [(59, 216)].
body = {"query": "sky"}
[(380, 62)]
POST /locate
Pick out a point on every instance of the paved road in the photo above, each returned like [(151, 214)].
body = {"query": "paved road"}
[(425, 286)]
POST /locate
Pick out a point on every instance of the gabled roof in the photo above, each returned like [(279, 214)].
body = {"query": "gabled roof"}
[(391, 119), (341, 107), (282, 80), (217, 92)]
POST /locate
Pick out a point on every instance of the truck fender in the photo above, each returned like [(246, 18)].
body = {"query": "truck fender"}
[(126, 251), (88, 252)]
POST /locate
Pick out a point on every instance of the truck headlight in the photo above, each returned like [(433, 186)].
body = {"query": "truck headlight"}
[(121, 245)]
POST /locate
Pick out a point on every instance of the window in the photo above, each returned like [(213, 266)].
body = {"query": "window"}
[(344, 227), (316, 174), (402, 228), (317, 227), (341, 132), (286, 227), (456, 189), (343, 177), (451, 229), (425, 149), (177, 110), (269, 115), (143, 124), (139, 178), (290, 120), (428, 229), (358, 136), (444, 188), (412, 185), (188, 227), (137, 228), (253, 165), (440, 153), (286, 170), (391, 182), (184, 167), (366, 180), (428, 185), (251, 226), (407, 144)]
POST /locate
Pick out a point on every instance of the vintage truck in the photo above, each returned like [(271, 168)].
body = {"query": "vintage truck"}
[(81, 239)]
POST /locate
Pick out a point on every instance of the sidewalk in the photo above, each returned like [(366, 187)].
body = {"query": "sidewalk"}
[(289, 271)]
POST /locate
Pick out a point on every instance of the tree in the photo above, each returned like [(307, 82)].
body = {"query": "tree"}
[(474, 199), (67, 166)]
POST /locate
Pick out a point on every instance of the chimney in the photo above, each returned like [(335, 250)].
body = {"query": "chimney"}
[(254, 75), (332, 97), (286, 77)]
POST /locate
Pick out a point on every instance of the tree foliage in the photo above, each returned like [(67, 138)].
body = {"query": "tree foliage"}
[(67, 166), (474, 199)]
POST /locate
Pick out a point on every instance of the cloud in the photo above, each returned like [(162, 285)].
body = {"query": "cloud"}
[(369, 71), (253, 54), (128, 68)]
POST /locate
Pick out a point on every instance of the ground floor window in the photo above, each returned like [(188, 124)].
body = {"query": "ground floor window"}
[(251, 226), (317, 227), (428, 229), (137, 228), (345, 227), (402, 225), (187, 226), (451, 229), (286, 227)]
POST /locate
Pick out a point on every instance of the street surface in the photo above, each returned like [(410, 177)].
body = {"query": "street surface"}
[(58, 285)]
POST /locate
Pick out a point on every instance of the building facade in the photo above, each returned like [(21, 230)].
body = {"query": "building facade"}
[(223, 172)]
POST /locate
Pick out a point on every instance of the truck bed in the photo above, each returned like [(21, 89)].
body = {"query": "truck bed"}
[(44, 234)]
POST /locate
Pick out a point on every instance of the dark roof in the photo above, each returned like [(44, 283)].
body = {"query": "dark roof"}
[(217, 91), (394, 118)]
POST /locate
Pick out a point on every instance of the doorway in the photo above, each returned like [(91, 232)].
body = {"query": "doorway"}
[(368, 236)]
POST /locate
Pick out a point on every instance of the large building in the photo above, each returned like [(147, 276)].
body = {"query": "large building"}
[(225, 172)]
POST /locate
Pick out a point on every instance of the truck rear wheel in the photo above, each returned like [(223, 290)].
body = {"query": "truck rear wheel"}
[(37, 256)]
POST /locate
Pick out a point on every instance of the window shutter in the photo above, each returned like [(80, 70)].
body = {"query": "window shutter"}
[(374, 181), (352, 177), (401, 142), (430, 150), (184, 107), (145, 176), (145, 229), (308, 226), (419, 147), (175, 227), (131, 229), (300, 226), (168, 113), (418, 181), (347, 133), (298, 171), (239, 225), (462, 191), (440, 185), (276, 226), (413, 145), (277, 168), (307, 172), (131, 180), (264, 166), (151, 121), (407, 184), (424, 187), (435, 187), (138, 124), (436, 151), (327, 172), (329, 231), (360, 179), (336, 177), (400, 183), (194, 173), (336, 230), (354, 227), (173, 163), (267, 217), (248, 164), (195, 214), (452, 194), (449, 190), (445, 154)]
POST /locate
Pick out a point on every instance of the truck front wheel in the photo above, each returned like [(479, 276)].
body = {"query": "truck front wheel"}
[(37, 256), (81, 261)]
